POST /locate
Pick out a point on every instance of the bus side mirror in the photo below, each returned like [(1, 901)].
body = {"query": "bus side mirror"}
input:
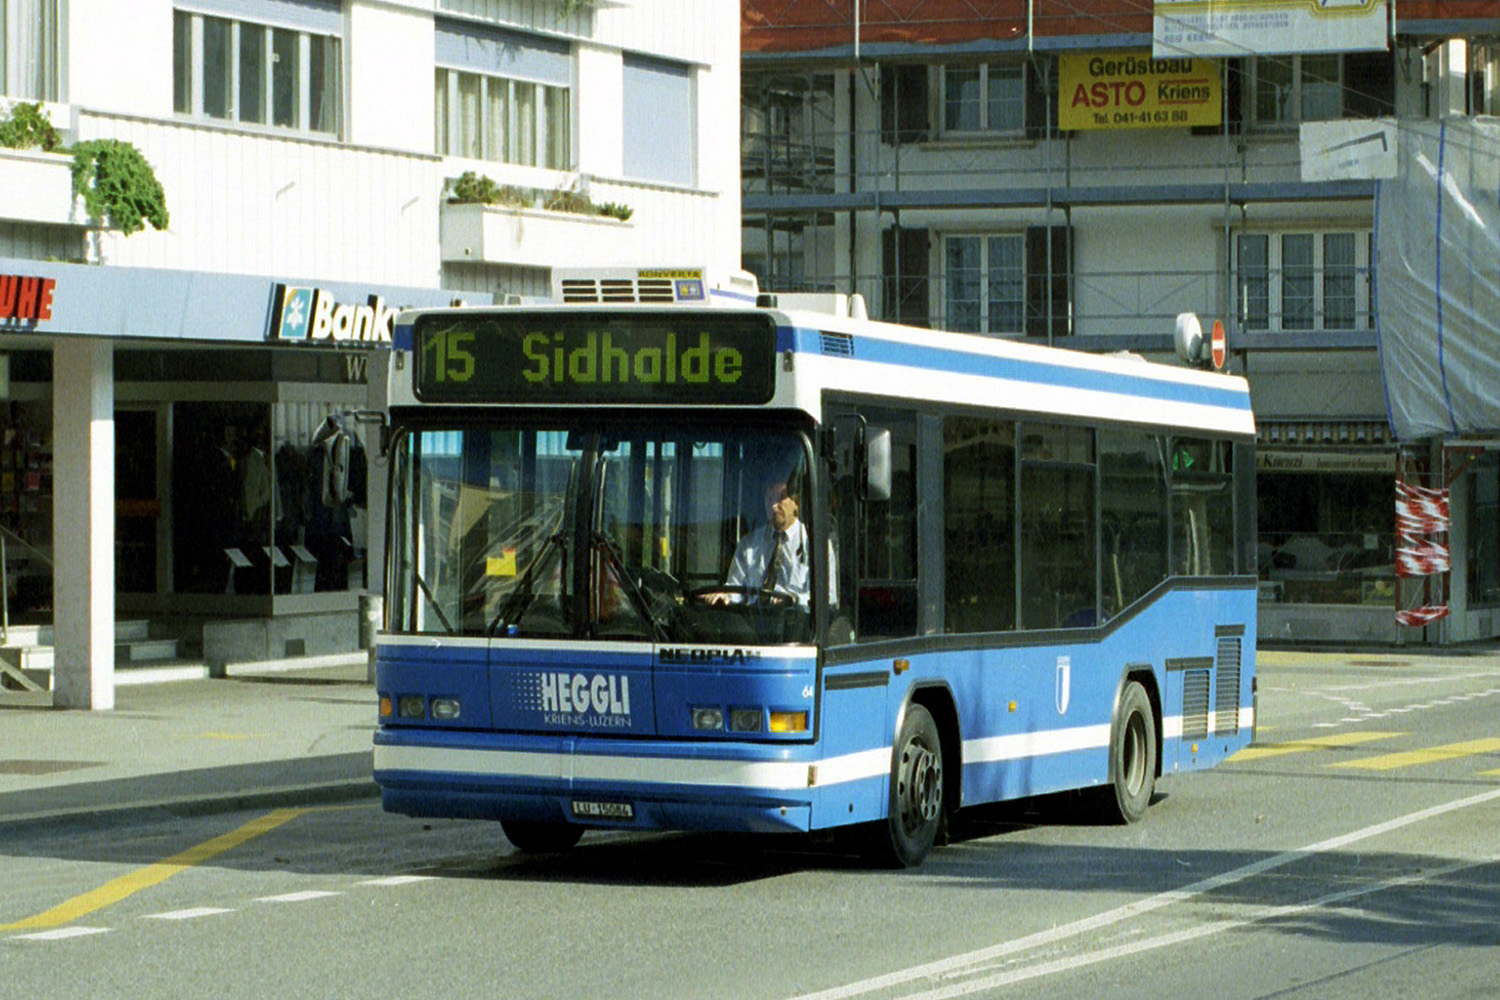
[(877, 464)]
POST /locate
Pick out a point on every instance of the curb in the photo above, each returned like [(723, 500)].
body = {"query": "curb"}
[(204, 805), (359, 658)]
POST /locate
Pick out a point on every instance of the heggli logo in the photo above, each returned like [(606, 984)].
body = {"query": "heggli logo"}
[(601, 693), (25, 299), (581, 700)]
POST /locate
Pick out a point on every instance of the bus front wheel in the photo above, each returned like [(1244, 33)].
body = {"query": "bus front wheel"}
[(1132, 759), (916, 804), (540, 837)]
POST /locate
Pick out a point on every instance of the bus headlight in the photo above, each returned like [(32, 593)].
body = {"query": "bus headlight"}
[(445, 708), (412, 706), (789, 722), (745, 720), (708, 718)]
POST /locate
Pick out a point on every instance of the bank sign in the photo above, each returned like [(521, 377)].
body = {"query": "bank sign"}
[(313, 314), (1137, 91)]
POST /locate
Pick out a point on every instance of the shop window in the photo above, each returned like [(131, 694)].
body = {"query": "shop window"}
[(1325, 537), (288, 75), (30, 42), (26, 491), (1483, 555), (266, 499)]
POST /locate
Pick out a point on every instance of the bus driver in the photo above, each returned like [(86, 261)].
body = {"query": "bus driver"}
[(773, 557)]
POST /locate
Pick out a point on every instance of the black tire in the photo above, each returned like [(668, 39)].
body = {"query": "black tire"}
[(1132, 759), (915, 812), (541, 837)]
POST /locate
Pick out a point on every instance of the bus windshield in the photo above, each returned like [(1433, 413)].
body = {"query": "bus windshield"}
[(677, 534)]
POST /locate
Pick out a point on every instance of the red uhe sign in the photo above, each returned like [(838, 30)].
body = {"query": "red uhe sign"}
[(25, 299)]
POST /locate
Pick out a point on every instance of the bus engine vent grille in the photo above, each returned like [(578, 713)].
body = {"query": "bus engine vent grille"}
[(1194, 704), (839, 345), (656, 290), (649, 290), (617, 290), (1227, 687), (580, 290)]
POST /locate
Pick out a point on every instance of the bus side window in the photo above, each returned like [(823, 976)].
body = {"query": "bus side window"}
[(979, 517), (1202, 507), (1058, 529), (887, 596), (1133, 504)]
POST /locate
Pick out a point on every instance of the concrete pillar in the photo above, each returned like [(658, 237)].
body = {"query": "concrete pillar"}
[(83, 523)]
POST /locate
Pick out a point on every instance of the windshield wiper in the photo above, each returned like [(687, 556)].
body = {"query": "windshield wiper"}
[(628, 583), (433, 601), (521, 597)]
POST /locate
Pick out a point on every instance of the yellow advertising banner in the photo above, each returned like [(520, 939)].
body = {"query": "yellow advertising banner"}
[(1134, 90)]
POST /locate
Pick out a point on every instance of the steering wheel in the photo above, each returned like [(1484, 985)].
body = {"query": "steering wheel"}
[(721, 594)]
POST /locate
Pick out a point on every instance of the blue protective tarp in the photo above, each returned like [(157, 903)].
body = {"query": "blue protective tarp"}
[(1437, 238)]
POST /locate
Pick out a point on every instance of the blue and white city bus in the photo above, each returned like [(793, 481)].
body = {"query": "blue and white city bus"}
[(1002, 570)]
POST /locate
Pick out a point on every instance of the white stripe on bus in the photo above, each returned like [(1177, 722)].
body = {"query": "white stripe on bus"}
[(782, 775), (772, 775), (1019, 394)]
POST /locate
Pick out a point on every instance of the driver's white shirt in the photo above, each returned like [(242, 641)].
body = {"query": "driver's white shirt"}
[(754, 553)]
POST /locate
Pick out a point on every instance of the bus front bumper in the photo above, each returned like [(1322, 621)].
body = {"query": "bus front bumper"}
[(735, 787)]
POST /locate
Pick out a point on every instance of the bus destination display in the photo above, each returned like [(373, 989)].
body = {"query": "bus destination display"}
[(534, 357)]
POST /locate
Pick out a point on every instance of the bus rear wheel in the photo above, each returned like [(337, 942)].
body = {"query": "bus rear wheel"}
[(540, 837), (1132, 759), (916, 805)]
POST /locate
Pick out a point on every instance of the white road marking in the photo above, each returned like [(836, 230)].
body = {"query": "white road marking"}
[(60, 933), (956, 964), (1261, 914), (298, 897), (399, 880), (192, 914)]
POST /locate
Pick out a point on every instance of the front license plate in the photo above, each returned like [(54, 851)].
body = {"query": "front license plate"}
[(603, 810)]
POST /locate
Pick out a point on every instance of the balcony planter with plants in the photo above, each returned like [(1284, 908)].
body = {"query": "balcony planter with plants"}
[(101, 182), (484, 222)]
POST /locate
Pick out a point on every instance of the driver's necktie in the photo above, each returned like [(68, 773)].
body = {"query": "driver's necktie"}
[(773, 565)]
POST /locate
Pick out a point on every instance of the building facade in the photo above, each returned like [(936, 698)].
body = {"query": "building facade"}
[(187, 426), (1081, 176)]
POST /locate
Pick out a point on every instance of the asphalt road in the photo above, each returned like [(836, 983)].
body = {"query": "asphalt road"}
[(1351, 853)]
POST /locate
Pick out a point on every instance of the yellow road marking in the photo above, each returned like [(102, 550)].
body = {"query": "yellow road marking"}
[(1431, 755), (144, 878), (1316, 743)]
